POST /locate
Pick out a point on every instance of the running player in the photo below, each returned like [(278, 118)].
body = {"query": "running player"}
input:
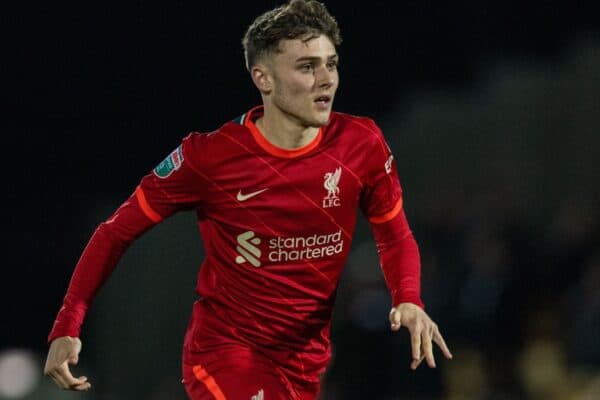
[(275, 193)]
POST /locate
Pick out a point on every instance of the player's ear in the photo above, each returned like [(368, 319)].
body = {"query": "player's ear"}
[(261, 78)]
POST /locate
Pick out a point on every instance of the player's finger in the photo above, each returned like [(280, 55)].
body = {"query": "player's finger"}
[(395, 318), (74, 382), (63, 382), (57, 379), (415, 342), (428, 347), (415, 363), (84, 387), (439, 340), (68, 378), (58, 376)]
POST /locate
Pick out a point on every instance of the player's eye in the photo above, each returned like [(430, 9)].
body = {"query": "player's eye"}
[(306, 67), (332, 65)]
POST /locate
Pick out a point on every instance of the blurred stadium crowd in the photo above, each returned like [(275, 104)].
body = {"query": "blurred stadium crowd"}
[(519, 306)]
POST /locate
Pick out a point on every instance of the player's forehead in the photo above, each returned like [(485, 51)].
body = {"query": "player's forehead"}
[(291, 50)]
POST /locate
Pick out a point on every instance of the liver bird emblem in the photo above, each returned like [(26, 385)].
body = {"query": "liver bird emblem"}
[(332, 180)]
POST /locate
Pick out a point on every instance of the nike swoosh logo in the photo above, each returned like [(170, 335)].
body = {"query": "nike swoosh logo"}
[(243, 197)]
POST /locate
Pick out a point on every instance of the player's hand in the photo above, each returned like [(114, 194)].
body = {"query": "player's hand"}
[(423, 331), (64, 351)]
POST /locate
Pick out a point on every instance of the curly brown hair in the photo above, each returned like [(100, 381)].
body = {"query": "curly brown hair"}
[(305, 19)]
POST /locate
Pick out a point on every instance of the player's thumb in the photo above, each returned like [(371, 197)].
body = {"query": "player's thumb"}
[(74, 351), (74, 358)]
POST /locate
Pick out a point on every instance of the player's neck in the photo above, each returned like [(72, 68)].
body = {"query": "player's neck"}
[(285, 133)]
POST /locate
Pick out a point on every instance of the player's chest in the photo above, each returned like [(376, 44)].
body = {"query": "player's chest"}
[(318, 187)]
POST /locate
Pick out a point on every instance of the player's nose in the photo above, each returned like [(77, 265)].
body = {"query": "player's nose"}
[(325, 77)]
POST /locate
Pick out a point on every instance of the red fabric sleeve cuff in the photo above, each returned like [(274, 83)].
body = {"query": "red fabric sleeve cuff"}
[(68, 321), (407, 297), (59, 330)]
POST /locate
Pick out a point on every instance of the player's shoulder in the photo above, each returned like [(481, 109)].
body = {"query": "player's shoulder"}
[(207, 147), (360, 123), (358, 126), (217, 137)]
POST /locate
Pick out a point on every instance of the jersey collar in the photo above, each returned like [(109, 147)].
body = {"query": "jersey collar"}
[(270, 147)]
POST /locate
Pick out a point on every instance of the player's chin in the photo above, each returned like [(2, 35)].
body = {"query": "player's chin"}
[(321, 117), (320, 121)]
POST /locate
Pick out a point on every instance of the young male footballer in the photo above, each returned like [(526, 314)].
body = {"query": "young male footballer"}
[(275, 193)]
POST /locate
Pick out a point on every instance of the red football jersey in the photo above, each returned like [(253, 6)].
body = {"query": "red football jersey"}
[(277, 225)]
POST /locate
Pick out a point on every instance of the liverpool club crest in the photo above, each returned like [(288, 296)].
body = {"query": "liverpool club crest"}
[(332, 180)]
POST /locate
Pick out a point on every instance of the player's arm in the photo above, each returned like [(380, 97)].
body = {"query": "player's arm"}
[(400, 262), (382, 203), (161, 193), (97, 262)]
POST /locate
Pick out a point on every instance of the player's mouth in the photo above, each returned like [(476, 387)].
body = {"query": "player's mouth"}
[(323, 102)]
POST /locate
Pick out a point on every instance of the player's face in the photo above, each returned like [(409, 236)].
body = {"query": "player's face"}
[(304, 80)]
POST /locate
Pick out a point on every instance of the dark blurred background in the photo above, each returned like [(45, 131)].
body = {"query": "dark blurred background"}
[(492, 111)]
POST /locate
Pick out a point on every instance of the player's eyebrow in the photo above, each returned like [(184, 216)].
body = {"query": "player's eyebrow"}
[(308, 58)]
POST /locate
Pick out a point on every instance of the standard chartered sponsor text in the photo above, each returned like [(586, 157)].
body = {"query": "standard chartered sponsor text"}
[(305, 248)]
